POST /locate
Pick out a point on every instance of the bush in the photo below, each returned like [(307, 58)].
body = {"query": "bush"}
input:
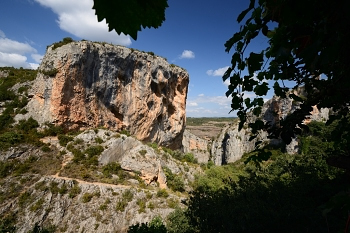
[(74, 191), (111, 168), (5, 120), (65, 40), (87, 197), (128, 195), (162, 193), (177, 222), (121, 205), (174, 182), (6, 168), (94, 151), (8, 223), (143, 152), (189, 157), (8, 139), (125, 132), (38, 205), (172, 203), (155, 226), (52, 130), (98, 140), (50, 73), (142, 204), (64, 139)]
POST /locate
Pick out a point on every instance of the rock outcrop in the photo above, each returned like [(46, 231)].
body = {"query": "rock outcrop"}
[(85, 84), (83, 199), (232, 144), (197, 146)]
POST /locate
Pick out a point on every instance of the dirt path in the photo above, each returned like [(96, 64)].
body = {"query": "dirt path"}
[(56, 176)]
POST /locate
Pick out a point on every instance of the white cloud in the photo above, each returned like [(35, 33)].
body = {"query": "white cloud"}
[(37, 57), (34, 66), (13, 53), (13, 59), (187, 54), (219, 72), (2, 34), (11, 46), (79, 19), (208, 106), (192, 104)]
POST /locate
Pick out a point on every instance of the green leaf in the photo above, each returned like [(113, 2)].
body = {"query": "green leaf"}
[(255, 61), (249, 83), (236, 101), (235, 80), (129, 16), (257, 111), (242, 15), (236, 58), (233, 40), (247, 102), (227, 74), (281, 92), (261, 89)]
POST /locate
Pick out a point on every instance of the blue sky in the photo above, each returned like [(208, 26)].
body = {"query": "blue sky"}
[(192, 37)]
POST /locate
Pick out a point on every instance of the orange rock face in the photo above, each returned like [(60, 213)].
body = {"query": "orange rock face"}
[(114, 87)]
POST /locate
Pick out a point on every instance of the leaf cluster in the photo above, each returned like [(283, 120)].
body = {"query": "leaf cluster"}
[(129, 16), (306, 39)]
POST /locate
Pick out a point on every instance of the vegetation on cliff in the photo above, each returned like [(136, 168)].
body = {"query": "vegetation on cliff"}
[(286, 193)]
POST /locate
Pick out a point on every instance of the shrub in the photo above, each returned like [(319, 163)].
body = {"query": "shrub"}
[(65, 40), (6, 168), (94, 151), (111, 168), (8, 223), (172, 203), (50, 73), (10, 138), (162, 193), (38, 205), (52, 130), (24, 199), (121, 205), (155, 226), (98, 140), (125, 132), (142, 204), (128, 195), (75, 190), (151, 205), (64, 139), (143, 152), (27, 125), (177, 222), (154, 146), (87, 197), (174, 182), (189, 157), (45, 148), (5, 120)]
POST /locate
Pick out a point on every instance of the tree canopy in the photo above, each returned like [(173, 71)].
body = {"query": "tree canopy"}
[(307, 45)]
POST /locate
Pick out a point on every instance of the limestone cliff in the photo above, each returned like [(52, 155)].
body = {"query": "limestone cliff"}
[(85, 84), (197, 146), (232, 144)]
